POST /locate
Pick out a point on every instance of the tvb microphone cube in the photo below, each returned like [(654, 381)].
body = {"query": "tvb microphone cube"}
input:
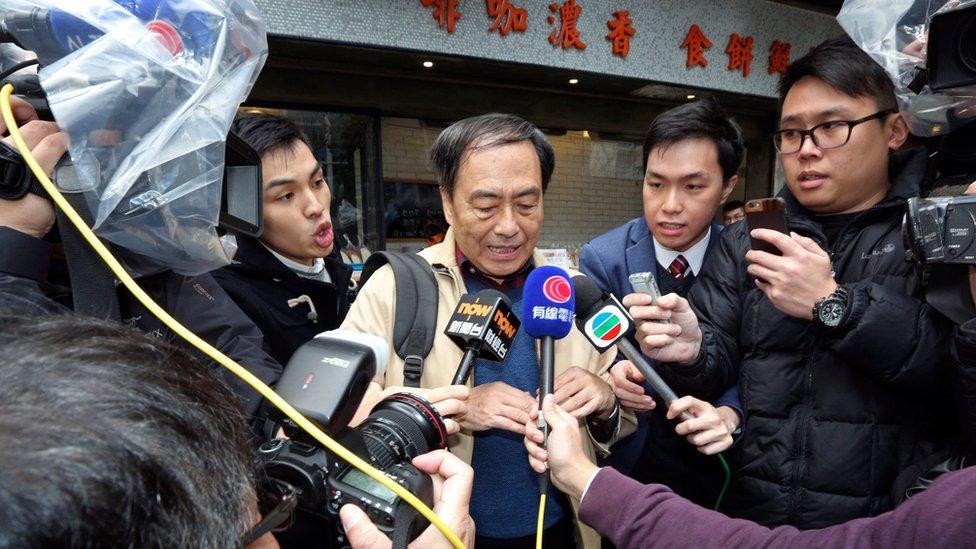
[(484, 317), (548, 303), (602, 318)]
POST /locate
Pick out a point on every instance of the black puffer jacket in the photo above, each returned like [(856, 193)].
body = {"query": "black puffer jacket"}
[(262, 286), (833, 418)]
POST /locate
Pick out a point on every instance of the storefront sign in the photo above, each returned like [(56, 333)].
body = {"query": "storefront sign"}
[(668, 41)]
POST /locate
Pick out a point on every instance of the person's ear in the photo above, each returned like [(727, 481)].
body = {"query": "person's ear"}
[(448, 206), (897, 130), (729, 186)]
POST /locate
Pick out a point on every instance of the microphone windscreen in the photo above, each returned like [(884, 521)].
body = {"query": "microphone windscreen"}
[(548, 303), (379, 346), (588, 295)]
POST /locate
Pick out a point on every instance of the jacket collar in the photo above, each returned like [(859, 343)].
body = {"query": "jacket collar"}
[(640, 247), (253, 257)]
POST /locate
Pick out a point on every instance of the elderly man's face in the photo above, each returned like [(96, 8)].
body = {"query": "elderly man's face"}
[(496, 207)]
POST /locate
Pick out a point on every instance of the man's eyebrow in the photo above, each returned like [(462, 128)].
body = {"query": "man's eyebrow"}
[(483, 193), (822, 114), (534, 191), (277, 182)]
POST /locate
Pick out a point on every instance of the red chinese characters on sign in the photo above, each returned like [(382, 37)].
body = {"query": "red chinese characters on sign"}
[(445, 12), (621, 29), (567, 35), (740, 53), (696, 43), (779, 57), (508, 18)]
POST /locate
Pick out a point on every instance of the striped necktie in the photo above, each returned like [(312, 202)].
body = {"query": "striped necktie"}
[(678, 267)]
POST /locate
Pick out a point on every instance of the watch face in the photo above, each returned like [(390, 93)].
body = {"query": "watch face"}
[(831, 312)]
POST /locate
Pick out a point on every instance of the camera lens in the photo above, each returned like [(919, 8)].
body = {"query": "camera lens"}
[(967, 44), (402, 427)]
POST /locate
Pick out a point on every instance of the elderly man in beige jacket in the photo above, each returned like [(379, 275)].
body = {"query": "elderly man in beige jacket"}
[(493, 170)]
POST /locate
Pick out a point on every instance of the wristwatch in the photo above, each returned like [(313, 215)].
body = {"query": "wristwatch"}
[(831, 311)]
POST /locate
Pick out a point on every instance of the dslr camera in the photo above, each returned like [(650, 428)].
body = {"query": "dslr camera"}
[(941, 230), (325, 380)]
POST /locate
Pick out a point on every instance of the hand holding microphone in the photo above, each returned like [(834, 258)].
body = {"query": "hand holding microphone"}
[(548, 306), (605, 322)]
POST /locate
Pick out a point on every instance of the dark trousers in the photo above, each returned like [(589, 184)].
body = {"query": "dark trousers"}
[(561, 535)]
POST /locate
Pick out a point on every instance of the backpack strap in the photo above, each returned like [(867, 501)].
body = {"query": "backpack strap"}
[(416, 298)]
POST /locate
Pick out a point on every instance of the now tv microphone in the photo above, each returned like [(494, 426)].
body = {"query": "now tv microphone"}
[(605, 322), (548, 304), (327, 377), (484, 326)]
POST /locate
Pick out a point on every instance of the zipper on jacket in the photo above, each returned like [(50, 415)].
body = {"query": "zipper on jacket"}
[(804, 420)]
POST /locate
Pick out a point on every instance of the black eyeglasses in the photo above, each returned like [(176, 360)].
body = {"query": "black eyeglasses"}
[(829, 135), (276, 503)]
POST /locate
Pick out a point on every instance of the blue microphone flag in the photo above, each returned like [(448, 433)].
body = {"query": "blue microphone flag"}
[(548, 303)]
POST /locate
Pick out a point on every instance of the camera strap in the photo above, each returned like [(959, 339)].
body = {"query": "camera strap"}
[(402, 525), (93, 290), (415, 310)]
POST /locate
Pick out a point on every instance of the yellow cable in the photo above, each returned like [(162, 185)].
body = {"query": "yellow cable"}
[(540, 522), (194, 340)]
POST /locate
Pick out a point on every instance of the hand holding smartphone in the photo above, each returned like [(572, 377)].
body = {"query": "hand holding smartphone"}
[(766, 213)]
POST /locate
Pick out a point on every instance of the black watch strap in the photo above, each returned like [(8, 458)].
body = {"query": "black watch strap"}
[(16, 179)]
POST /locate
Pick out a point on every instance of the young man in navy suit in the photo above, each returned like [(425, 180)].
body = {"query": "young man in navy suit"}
[(691, 155)]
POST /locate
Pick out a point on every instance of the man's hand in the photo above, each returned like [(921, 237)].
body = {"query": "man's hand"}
[(563, 454), (582, 393), (625, 380), (796, 280), (678, 341), (497, 405), (452, 496), (711, 429), (32, 214), (450, 401)]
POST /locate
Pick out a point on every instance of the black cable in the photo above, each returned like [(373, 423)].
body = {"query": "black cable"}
[(19, 66)]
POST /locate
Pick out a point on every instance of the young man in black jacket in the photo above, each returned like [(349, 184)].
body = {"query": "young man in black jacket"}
[(290, 282), (840, 362)]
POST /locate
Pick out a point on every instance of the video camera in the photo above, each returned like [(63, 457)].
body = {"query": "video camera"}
[(146, 91), (52, 34), (325, 380), (941, 230)]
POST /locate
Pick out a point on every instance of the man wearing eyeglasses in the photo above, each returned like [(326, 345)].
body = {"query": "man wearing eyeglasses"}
[(839, 360)]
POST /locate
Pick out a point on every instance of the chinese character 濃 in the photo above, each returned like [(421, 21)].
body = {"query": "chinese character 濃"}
[(567, 35)]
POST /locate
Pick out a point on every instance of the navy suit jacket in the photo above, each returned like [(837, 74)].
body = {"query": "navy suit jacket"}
[(601, 260)]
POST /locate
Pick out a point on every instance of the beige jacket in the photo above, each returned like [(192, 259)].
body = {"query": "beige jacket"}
[(373, 312)]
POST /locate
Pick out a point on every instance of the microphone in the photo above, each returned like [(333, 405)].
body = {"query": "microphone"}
[(484, 326), (547, 313), (604, 321), (327, 377)]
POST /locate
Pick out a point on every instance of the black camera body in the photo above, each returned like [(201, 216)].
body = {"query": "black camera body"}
[(400, 428), (941, 230), (951, 57)]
